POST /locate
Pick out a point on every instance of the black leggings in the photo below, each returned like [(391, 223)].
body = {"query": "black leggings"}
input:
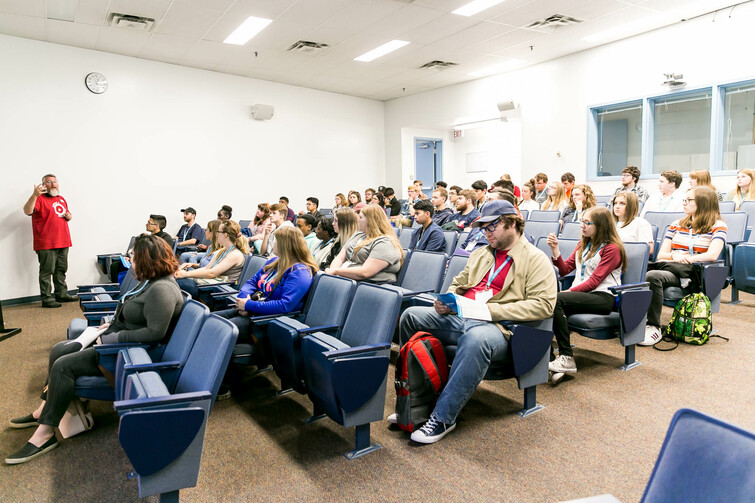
[(65, 365), (568, 303)]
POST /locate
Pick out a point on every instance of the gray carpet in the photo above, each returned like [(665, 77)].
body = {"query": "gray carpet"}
[(599, 433)]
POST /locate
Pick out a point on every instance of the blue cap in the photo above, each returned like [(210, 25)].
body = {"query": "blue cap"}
[(494, 210)]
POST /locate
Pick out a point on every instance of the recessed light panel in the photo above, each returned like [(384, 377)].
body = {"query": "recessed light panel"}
[(247, 30), (382, 50)]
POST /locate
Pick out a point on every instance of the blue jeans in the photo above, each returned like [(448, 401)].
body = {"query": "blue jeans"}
[(191, 257), (189, 286), (478, 343)]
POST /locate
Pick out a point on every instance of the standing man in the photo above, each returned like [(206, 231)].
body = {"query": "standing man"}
[(190, 234), (52, 238), (541, 188), (629, 178)]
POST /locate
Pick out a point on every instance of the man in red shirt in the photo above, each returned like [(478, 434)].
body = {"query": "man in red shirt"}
[(49, 222)]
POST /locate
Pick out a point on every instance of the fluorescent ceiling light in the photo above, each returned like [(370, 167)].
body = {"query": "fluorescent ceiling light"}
[(382, 50), (503, 67), (476, 6), (247, 30)]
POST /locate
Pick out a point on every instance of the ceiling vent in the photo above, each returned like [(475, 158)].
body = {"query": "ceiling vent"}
[(554, 21), (304, 47), (438, 65), (131, 22)]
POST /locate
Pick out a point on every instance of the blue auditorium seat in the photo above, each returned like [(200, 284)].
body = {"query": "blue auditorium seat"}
[(544, 216), (217, 295)]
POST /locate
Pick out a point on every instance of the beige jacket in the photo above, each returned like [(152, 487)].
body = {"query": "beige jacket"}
[(529, 290)]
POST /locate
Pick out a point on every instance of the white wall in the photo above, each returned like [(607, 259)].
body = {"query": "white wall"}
[(162, 137), (555, 96)]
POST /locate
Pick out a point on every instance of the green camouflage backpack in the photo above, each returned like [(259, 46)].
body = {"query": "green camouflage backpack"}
[(691, 321)]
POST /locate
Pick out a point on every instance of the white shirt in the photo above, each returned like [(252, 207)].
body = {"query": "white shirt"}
[(529, 205), (638, 230), (670, 204)]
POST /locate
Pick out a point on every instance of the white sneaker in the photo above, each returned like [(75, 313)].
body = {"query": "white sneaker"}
[(563, 364), (433, 430), (555, 377), (652, 336), (393, 418)]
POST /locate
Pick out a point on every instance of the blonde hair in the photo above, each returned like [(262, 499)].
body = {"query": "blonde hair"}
[(750, 190), (378, 226), (292, 250), (347, 226), (553, 202), (344, 201), (234, 233), (590, 200)]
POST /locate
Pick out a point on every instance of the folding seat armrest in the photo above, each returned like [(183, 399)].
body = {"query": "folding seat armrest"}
[(631, 286), (96, 315), (93, 305), (417, 292), (105, 286), (370, 348), (528, 346), (207, 288), (271, 317), (156, 366), (312, 330), (232, 293), (107, 349), (159, 401)]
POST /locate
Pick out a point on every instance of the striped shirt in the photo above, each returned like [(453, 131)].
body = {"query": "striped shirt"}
[(683, 238)]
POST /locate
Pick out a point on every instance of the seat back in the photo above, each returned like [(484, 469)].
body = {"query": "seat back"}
[(727, 206), (450, 241), (131, 245), (185, 332), (397, 231), (604, 199), (736, 224), (455, 266), (744, 267), (572, 230), (662, 219), (638, 255), (129, 282), (383, 303), (544, 216), (424, 271), (525, 214), (405, 238), (252, 265), (244, 223), (538, 229), (749, 208), (328, 300), (703, 459), (209, 357)]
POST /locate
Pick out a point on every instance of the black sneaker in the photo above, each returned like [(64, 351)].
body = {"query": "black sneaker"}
[(51, 303), (31, 451), (23, 422), (432, 431)]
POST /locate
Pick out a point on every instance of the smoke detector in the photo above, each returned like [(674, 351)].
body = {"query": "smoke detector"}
[(131, 22), (554, 21), (674, 80), (438, 65), (305, 47)]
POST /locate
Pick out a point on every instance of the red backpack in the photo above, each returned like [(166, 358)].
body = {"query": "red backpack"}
[(421, 373)]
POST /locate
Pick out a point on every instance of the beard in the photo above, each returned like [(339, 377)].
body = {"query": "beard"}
[(53, 192)]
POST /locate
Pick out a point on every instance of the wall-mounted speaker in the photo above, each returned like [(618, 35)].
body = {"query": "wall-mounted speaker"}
[(262, 112)]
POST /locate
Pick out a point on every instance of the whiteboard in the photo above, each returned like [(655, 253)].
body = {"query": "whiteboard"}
[(477, 162)]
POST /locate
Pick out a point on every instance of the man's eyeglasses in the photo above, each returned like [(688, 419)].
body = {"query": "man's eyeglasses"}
[(151, 223), (491, 227)]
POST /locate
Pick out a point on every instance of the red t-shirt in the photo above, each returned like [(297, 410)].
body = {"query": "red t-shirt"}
[(497, 285), (48, 225)]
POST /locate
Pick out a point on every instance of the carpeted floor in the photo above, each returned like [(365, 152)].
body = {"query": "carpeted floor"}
[(599, 433)]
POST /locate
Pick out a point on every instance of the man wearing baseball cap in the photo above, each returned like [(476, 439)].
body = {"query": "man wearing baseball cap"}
[(190, 234), (514, 280)]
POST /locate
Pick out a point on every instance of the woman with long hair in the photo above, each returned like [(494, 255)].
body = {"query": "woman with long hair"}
[(697, 238), (745, 190), (557, 200), (257, 226), (225, 265), (341, 202), (581, 199), (631, 227), (701, 178), (376, 256), (528, 202), (354, 198), (345, 225), (598, 261), (143, 314)]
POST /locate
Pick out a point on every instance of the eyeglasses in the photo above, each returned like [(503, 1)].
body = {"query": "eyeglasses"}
[(687, 201), (586, 223), (491, 227), (151, 223)]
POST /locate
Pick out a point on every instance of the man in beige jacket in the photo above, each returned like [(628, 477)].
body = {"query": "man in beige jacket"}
[(514, 280)]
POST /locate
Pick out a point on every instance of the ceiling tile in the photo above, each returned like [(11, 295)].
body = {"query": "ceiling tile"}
[(220, 5), (208, 51), (187, 21), (594, 9), (317, 65), (439, 28), (154, 9), (278, 36), (312, 12), (23, 7), (22, 26), (242, 9), (75, 34), (483, 30), (91, 12), (505, 41), (167, 48), (535, 11), (121, 41), (399, 24)]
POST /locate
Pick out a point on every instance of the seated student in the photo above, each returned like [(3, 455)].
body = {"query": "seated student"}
[(407, 207), (420, 194), (378, 199), (327, 236), (354, 198), (225, 265), (514, 280), (190, 234), (514, 189), (358, 207), (368, 193), (598, 261), (143, 315), (541, 188), (480, 189), (278, 219), (697, 238), (556, 200), (568, 180), (629, 178), (669, 198), (453, 196), (745, 190), (631, 228), (155, 226), (582, 199), (428, 237), (528, 202), (701, 178), (341, 202), (374, 253), (345, 224), (290, 215), (442, 214), (504, 184), (257, 226), (441, 185), (466, 212), (194, 259), (476, 238), (312, 208), (307, 224), (391, 202), (224, 213)]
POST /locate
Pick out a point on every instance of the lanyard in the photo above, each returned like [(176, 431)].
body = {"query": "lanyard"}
[(186, 232), (133, 292), (268, 279), (493, 273), (220, 258), (691, 242), (582, 261), (323, 244), (574, 218)]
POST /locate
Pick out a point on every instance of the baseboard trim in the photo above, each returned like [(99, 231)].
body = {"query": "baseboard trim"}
[(19, 301)]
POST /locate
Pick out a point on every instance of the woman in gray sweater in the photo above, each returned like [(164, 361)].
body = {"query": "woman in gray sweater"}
[(143, 315)]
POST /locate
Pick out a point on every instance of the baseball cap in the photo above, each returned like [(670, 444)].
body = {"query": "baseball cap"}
[(493, 210), (189, 209)]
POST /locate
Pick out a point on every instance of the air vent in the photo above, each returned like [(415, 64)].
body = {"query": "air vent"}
[(554, 21), (304, 47), (438, 65), (131, 22)]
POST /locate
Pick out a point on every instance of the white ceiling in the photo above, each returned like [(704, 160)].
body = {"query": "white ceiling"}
[(190, 33)]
